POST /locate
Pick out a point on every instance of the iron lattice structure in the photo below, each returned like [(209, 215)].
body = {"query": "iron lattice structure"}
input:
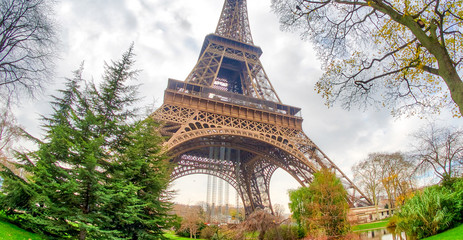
[(227, 102)]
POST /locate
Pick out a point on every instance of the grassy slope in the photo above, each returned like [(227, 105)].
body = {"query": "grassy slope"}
[(12, 232), (368, 226), (454, 233), (451, 234), (171, 235)]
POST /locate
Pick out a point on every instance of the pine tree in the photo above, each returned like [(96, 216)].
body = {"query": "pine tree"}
[(137, 201), (99, 173)]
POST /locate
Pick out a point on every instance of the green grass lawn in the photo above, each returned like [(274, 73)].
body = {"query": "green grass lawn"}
[(10, 231), (368, 226), (171, 235), (454, 233)]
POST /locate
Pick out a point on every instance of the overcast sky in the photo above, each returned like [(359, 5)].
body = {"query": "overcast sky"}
[(168, 34)]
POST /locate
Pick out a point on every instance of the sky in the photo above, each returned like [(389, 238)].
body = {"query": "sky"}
[(167, 37)]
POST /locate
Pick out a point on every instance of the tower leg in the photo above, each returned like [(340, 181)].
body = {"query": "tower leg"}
[(256, 179)]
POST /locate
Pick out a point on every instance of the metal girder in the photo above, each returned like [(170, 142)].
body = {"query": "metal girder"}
[(234, 22), (221, 54)]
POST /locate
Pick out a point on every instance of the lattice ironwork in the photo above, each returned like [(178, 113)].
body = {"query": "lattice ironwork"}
[(236, 63), (228, 102), (234, 22)]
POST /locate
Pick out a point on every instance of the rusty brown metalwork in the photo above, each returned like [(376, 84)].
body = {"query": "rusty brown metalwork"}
[(227, 101)]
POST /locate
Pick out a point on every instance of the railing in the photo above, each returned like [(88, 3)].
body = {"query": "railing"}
[(230, 97)]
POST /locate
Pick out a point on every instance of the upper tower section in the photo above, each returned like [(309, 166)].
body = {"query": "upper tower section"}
[(234, 22), (228, 69)]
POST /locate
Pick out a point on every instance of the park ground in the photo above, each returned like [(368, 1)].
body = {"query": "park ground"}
[(10, 231), (451, 234)]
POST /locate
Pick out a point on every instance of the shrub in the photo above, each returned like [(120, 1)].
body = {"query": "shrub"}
[(208, 232), (226, 233), (286, 232), (182, 233), (392, 223), (428, 212), (301, 232), (456, 189)]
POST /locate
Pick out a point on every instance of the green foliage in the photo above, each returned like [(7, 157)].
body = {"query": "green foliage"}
[(392, 223), (322, 207), (176, 222), (171, 235), (287, 232), (297, 203), (434, 210), (458, 199), (100, 173), (182, 232), (229, 233), (449, 182), (426, 214), (301, 232), (209, 231)]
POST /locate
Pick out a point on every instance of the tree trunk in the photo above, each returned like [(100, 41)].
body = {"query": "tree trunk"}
[(82, 234), (431, 42), (446, 65), (375, 200), (448, 72)]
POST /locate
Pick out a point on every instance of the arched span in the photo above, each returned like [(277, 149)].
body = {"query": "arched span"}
[(230, 181), (278, 142), (281, 159)]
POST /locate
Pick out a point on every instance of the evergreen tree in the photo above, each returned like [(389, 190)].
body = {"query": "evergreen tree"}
[(137, 200), (99, 173)]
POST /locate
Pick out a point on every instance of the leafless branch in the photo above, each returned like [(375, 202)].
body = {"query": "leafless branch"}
[(437, 148), (26, 46)]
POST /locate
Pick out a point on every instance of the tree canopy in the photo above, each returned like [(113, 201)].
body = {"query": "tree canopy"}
[(389, 174), (406, 55), (322, 207), (99, 172)]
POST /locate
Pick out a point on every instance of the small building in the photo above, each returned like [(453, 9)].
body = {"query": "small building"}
[(368, 214)]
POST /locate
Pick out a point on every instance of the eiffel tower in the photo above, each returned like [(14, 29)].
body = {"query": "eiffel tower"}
[(226, 119)]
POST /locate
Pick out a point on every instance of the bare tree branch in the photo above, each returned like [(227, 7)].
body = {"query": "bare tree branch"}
[(27, 41), (439, 149)]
